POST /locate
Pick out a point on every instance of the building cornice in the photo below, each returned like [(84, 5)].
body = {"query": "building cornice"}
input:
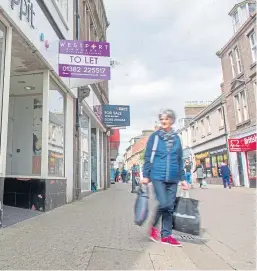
[(232, 11), (241, 30)]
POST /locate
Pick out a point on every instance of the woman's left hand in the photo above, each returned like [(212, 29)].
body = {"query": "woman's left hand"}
[(184, 185)]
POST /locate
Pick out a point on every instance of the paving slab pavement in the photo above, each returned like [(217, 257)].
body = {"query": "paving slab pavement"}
[(98, 233)]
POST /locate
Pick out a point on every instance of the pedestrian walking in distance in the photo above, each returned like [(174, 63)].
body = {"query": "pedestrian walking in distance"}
[(188, 169), (124, 175), (164, 167), (225, 174), (199, 173), (117, 175)]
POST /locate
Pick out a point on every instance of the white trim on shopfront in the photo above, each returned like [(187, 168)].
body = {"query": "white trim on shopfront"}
[(92, 116), (45, 124), (89, 152), (68, 145), (98, 158), (102, 160), (6, 90)]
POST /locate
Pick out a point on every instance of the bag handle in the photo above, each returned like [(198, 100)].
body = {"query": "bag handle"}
[(184, 194), (155, 143)]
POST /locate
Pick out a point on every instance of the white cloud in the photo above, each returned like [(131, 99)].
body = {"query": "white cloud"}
[(146, 10), (167, 53)]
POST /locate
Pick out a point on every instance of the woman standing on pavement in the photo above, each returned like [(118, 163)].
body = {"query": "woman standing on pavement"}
[(165, 171), (199, 173)]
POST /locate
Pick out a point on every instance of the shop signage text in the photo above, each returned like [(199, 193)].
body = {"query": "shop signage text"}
[(84, 59), (217, 151), (202, 155), (26, 10), (244, 144), (116, 115)]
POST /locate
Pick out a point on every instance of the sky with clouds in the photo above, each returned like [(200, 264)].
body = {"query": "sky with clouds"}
[(166, 51)]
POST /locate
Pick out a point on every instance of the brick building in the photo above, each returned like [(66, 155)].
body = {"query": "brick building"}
[(204, 139), (238, 60), (135, 151)]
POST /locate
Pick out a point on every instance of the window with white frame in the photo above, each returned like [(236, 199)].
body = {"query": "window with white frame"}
[(221, 117), (232, 64), (251, 8), (241, 107), (202, 127), (186, 137), (236, 22), (209, 124), (238, 61), (244, 106), (193, 133), (238, 108), (63, 7), (252, 38)]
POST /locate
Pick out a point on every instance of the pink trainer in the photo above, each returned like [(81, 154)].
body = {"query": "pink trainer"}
[(154, 234), (169, 240)]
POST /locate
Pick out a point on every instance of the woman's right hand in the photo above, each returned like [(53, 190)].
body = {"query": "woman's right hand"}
[(144, 181)]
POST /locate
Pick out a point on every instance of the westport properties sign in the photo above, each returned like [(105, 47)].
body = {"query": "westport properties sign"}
[(84, 59)]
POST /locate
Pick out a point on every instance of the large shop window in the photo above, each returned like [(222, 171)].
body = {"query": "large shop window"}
[(56, 131), (2, 57), (24, 143), (251, 157), (85, 181)]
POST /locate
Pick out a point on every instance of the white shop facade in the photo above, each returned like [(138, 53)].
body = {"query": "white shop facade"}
[(37, 111)]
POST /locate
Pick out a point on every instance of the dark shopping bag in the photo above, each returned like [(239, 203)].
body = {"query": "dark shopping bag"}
[(141, 206), (186, 216), (137, 180)]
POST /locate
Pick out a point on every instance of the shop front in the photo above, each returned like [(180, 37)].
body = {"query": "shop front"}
[(243, 159), (204, 159), (211, 160), (36, 111), (217, 156)]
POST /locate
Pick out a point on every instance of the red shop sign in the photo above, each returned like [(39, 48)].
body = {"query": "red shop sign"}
[(244, 144)]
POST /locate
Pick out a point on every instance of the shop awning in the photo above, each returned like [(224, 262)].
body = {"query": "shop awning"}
[(115, 139)]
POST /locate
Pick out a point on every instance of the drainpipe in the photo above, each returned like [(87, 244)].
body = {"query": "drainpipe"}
[(226, 131), (78, 184)]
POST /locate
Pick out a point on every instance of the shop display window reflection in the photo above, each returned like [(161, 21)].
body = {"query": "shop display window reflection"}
[(85, 181), (215, 172), (2, 57), (251, 157), (56, 131), (208, 172)]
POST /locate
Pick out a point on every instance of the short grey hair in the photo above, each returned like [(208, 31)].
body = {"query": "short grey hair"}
[(169, 113)]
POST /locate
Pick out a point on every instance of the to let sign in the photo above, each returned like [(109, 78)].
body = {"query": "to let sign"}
[(116, 115), (84, 59), (244, 144)]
